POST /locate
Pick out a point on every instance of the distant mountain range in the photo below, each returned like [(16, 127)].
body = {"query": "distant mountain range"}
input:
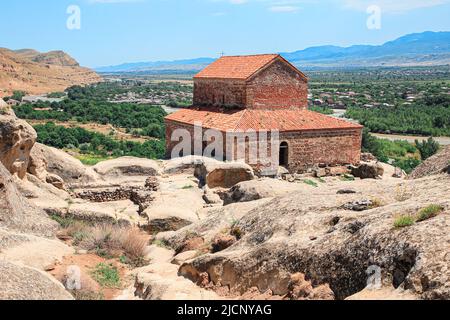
[(418, 49)]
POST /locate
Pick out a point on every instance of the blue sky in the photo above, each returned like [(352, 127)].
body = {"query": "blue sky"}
[(117, 31)]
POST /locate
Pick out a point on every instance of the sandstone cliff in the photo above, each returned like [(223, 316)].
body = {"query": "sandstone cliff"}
[(37, 73)]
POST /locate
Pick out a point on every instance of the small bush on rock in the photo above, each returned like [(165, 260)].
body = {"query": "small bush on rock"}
[(429, 212), (403, 221)]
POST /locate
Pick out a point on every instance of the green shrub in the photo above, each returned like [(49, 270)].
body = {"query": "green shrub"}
[(64, 222), (106, 275), (429, 212), (403, 221), (427, 148)]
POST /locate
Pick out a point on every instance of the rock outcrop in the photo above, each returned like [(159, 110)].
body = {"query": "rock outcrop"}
[(61, 164), (306, 232), (127, 168), (369, 170), (223, 175), (186, 164), (17, 138), (436, 164), (17, 214), (258, 189), (19, 282)]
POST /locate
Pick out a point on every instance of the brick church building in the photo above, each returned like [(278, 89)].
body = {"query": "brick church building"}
[(263, 93)]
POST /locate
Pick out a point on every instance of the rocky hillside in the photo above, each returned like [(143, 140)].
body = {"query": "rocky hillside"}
[(57, 58), (37, 73), (438, 163), (196, 228)]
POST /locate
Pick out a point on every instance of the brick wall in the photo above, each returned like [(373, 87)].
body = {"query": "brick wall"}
[(331, 147), (306, 148), (219, 92), (276, 87)]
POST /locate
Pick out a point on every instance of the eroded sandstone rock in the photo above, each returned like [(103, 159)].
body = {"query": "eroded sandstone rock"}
[(17, 138), (368, 171), (223, 175), (17, 214), (24, 283), (127, 167), (61, 164), (276, 243)]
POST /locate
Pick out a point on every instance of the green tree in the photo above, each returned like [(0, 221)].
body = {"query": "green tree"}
[(427, 148)]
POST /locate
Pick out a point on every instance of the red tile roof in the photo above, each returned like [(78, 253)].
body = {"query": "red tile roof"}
[(236, 67), (282, 120)]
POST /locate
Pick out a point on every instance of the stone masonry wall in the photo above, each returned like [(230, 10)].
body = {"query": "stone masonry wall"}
[(277, 87)]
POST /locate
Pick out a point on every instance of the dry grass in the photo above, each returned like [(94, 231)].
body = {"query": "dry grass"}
[(113, 241), (402, 193), (376, 203), (107, 240), (134, 244)]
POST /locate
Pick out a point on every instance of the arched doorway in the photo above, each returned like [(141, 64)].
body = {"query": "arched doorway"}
[(284, 154)]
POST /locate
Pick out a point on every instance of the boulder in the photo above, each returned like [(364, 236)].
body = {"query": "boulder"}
[(55, 180), (223, 175), (185, 164), (61, 164), (370, 170), (32, 251), (258, 189), (17, 138), (358, 205), (38, 163), (43, 195), (211, 197), (19, 282), (383, 293), (330, 171), (181, 258), (156, 254), (168, 218), (126, 167), (161, 282)]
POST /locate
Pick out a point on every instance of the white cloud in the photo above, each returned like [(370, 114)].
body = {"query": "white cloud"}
[(114, 1), (392, 6), (285, 9)]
